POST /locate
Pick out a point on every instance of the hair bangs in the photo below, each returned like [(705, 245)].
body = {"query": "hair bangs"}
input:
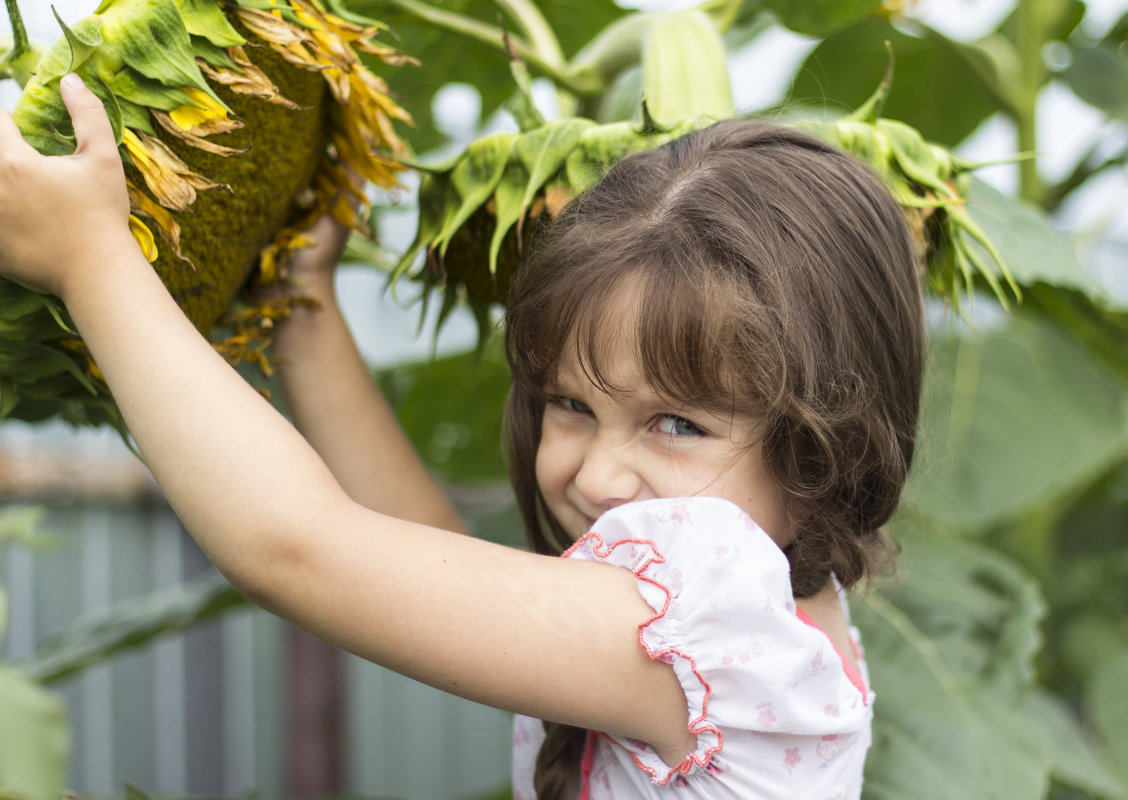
[(679, 324)]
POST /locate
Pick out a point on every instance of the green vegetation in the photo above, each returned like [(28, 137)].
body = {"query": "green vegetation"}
[(999, 652)]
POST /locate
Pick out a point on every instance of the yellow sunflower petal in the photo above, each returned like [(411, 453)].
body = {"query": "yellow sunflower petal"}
[(248, 79), (270, 27), (169, 229), (144, 238), (170, 180), (195, 138), (202, 115)]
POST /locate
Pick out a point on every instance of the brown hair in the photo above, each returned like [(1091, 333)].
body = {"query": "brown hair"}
[(775, 276)]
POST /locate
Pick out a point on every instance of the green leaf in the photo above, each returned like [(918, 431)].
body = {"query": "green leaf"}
[(205, 18), (820, 17), (1107, 705), (82, 39), (451, 409), (42, 117), (521, 104), (33, 738), (1099, 76), (509, 206), (448, 59), (133, 87), (474, 179), (1072, 757), (685, 75), (1032, 249), (1054, 21), (1012, 417), (942, 88), (543, 152), (599, 148), (131, 623), (152, 39), (949, 649), (1053, 279)]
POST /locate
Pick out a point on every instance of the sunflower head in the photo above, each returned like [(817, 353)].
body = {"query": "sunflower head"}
[(223, 109)]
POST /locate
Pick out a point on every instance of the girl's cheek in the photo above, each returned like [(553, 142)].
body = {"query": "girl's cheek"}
[(549, 462)]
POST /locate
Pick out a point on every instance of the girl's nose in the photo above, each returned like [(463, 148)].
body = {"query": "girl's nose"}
[(609, 473)]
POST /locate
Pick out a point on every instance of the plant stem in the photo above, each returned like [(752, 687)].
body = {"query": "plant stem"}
[(543, 40), (1084, 170), (490, 35), (536, 28), (722, 12), (20, 42), (1032, 25)]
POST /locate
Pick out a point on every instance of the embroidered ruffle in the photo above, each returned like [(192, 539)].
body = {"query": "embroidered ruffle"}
[(641, 555), (725, 620)]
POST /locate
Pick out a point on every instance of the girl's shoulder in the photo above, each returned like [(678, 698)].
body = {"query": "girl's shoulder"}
[(684, 550), (714, 533), (750, 664)]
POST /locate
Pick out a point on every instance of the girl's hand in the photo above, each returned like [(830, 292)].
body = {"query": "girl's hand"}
[(311, 269), (55, 212)]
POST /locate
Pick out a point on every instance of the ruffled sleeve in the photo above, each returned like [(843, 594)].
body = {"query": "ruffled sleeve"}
[(725, 619)]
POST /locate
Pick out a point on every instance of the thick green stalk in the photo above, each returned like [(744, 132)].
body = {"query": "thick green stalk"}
[(543, 40), (723, 12), (1032, 17), (535, 28), (491, 35), (19, 60), (20, 42)]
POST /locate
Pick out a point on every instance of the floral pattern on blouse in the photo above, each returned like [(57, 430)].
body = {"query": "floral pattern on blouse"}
[(776, 710)]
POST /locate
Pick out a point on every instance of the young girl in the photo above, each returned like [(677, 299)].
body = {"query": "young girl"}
[(716, 359)]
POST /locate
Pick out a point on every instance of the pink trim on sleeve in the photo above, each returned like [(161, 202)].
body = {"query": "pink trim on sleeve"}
[(585, 766), (851, 671), (696, 726)]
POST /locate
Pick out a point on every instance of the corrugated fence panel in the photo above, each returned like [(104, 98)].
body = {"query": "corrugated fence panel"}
[(408, 740), (205, 712)]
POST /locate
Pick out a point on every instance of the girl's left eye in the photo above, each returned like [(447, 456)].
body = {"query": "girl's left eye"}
[(677, 426)]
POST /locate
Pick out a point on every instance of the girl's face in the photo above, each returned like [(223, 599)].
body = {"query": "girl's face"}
[(598, 450)]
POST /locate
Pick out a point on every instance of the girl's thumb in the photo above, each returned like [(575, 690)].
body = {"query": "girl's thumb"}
[(92, 127)]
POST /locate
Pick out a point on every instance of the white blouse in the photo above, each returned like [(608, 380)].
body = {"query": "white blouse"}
[(777, 710)]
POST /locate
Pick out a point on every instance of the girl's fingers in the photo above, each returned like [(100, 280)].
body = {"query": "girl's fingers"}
[(9, 134), (92, 127)]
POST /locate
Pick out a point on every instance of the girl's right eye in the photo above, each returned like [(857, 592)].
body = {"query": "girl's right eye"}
[(573, 405)]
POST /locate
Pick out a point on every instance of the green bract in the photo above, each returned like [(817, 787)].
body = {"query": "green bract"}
[(220, 108), (476, 210)]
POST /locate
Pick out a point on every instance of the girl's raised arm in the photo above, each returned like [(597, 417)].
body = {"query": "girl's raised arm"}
[(522, 632), (337, 406)]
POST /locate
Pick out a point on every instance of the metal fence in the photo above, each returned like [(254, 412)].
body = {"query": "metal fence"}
[(208, 711)]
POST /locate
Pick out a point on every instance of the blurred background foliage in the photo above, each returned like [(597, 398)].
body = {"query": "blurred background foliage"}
[(1000, 651)]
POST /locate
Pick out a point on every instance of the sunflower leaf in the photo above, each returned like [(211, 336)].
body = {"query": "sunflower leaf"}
[(509, 206), (206, 19), (544, 151), (164, 53), (33, 737), (474, 179), (84, 39)]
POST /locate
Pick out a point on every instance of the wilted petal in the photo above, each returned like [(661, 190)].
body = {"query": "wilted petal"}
[(144, 238), (169, 229), (203, 116), (170, 180)]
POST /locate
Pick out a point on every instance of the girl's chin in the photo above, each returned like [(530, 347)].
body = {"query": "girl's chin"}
[(582, 525)]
